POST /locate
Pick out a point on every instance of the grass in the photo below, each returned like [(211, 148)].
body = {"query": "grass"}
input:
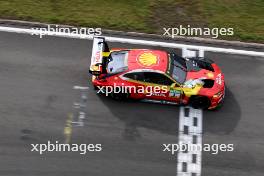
[(245, 16)]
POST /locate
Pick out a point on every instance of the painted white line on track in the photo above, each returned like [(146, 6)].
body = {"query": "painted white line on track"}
[(190, 132), (79, 106), (80, 88), (136, 41)]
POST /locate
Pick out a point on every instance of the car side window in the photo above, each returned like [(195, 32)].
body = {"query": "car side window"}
[(157, 78), (138, 76)]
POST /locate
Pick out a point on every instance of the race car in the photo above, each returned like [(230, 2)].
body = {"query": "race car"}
[(156, 76)]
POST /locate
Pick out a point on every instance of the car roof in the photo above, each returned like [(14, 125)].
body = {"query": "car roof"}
[(147, 59)]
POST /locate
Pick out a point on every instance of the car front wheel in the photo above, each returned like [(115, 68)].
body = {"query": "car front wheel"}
[(200, 102)]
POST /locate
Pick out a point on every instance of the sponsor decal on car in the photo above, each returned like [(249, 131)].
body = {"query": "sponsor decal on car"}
[(148, 59), (158, 94), (218, 79), (191, 83), (175, 93)]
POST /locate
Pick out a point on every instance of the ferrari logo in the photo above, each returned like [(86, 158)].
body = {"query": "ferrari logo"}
[(148, 59), (210, 75)]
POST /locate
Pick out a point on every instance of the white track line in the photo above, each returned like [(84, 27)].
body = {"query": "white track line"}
[(80, 88), (190, 132), (137, 42)]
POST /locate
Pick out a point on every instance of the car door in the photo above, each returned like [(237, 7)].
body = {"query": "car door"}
[(135, 80), (154, 86), (149, 85), (169, 89)]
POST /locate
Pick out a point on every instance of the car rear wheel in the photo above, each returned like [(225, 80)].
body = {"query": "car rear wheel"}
[(200, 102), (120, 96)]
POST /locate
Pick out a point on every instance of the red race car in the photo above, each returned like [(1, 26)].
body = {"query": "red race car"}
[(156, 76)]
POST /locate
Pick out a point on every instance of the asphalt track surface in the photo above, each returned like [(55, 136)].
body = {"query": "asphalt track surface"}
[(36, 80)]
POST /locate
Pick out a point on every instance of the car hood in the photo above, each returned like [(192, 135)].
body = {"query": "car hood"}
[(207, 78)]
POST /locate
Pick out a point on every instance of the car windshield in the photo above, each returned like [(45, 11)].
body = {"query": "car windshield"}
[(178, 68)]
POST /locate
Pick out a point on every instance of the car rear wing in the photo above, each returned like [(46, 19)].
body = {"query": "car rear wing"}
[(99, 53)]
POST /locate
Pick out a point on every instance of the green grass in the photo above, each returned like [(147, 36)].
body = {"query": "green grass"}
[(245, 16), (113, 14)]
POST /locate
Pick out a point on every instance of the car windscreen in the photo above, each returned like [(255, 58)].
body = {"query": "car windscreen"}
[(178, 69), (117, 62)]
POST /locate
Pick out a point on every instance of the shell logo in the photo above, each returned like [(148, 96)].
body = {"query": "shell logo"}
[(148, 59)]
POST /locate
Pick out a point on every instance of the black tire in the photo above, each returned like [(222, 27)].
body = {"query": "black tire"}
[(95, 87), (120, 96), (200, 102)]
